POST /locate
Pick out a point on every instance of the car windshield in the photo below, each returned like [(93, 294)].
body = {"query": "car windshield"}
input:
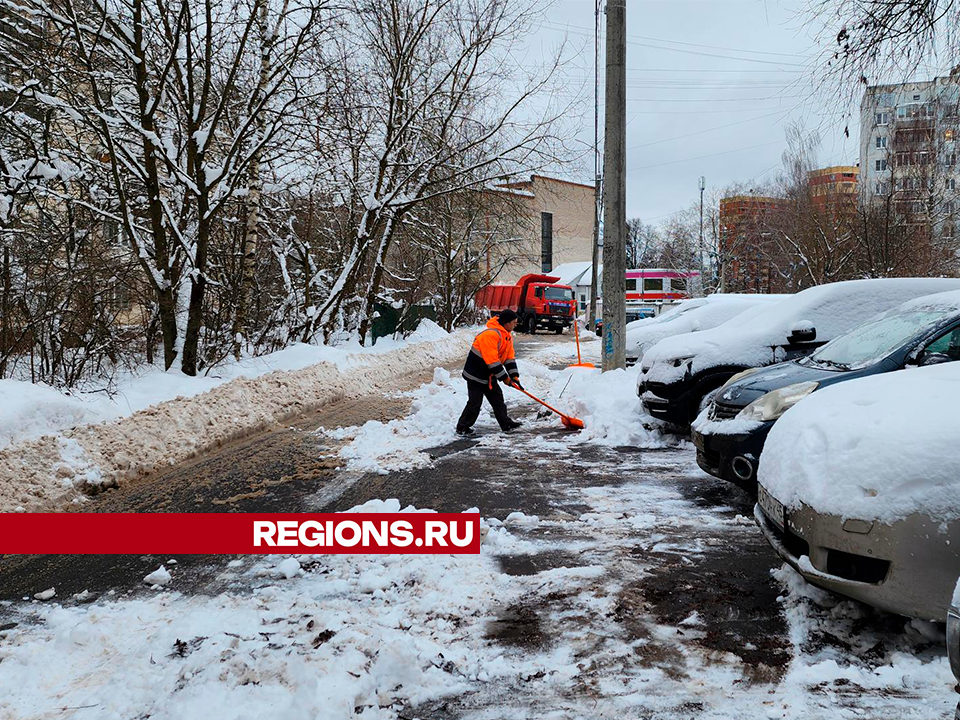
[(874, 340), (555, 293)]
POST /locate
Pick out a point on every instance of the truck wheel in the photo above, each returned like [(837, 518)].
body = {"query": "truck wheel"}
[(532, 325)]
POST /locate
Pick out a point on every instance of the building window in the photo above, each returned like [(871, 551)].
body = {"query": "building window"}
[(881, 165), (951, 159), (948, 135), (951, 184), (653, 284), (883, 118), (880, 188), (916, 98), (546, 242), (947, 232), (881, 141)]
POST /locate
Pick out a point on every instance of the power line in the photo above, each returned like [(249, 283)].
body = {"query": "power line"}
[(706, 130), (702, 157), (558, 26), (715, 100), (680, 42)]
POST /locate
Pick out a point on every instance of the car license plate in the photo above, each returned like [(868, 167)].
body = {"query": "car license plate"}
[(771, 507)]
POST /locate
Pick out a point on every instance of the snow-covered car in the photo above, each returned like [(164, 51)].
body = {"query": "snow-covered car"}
[(729, 435), (953, 639), (859, 489), (679, 374), (691, 315)]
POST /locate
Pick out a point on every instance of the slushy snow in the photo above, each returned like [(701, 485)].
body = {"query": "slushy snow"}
[(606, 402)]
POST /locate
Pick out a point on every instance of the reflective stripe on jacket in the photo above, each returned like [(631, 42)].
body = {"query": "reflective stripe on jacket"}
[(491, 356)]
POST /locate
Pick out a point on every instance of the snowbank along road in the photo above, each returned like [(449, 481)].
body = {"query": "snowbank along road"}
[(617, 580)]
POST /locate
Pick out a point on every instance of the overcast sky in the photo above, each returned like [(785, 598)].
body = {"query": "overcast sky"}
[(711, 87)]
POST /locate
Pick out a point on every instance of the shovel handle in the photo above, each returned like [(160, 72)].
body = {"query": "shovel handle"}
[(534, 397)]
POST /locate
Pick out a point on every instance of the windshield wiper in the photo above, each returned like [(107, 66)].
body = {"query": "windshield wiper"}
[(831, 363)]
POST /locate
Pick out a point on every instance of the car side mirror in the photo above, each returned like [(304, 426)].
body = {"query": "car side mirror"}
[(802, 335), (934, 359)]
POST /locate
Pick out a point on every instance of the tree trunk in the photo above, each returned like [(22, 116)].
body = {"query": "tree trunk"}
[(191, 340), (251, 236), (5, 314)]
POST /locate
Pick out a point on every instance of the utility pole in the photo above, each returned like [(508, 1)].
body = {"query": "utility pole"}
[(597, 204), (703, 184), (615, 190)]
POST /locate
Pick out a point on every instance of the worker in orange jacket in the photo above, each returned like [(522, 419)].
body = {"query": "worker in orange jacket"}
[(491, 360)]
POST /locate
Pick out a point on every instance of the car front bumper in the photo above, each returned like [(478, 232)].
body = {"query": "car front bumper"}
[(716, 453), (907, 567), (554, 321), (675, 412)]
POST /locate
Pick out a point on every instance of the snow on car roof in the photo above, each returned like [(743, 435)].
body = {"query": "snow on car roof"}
[(694, 318), (949, 300), (876, 448), (833, 309)]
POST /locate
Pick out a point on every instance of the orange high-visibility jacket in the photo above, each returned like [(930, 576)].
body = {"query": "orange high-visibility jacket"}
[(491, 356)]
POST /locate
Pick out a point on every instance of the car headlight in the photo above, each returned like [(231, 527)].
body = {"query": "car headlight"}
[(739, 376), (777, 402)]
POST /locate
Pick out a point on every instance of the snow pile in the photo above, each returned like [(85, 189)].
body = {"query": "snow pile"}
[(689, 316), (33, 410), (352, 636), (608, 405), (108, 454), (159, 577), (399, 444), (748, 339), (876, 448), (911, 663)]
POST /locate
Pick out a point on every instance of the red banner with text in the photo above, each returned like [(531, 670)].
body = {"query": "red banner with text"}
[(239, 533)]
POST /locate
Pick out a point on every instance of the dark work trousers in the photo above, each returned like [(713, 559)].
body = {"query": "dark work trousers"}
[(476, 392)]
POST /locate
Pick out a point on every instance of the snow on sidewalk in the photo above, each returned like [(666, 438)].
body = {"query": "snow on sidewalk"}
[(339, 636), (607, 403), (171, 417)]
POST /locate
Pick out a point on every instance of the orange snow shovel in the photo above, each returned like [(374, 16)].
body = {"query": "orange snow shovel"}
[(580, 362), (569, 422)]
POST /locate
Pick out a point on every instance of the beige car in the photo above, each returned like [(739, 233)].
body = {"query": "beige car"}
[(953, 640), (902, 568), (859, 489)]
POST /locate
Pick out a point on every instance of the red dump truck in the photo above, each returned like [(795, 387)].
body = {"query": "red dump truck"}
[(537, 299)]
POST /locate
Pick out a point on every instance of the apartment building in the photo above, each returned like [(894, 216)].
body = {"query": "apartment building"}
[(745, 243), (835, 186), (555, 226), (908, 152)]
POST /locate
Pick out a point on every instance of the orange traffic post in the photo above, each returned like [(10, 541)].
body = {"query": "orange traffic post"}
[(576, 333)]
